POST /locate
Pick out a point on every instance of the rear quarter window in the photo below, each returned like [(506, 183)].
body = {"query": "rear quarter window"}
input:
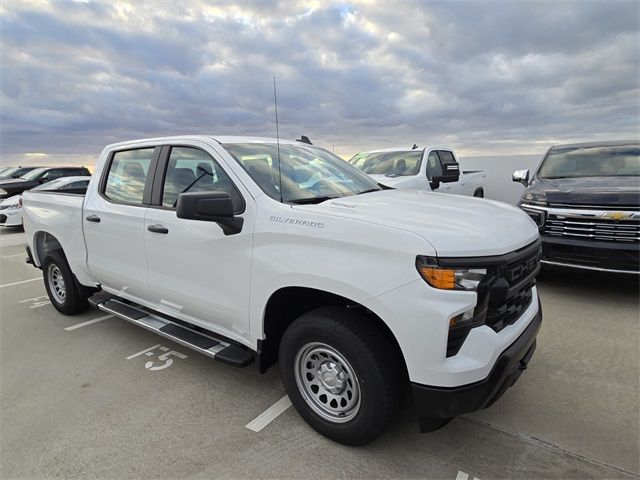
[(127, 175)]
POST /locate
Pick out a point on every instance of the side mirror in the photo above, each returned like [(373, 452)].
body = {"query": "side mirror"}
[(450, 174), (210, 207), (521, 176)]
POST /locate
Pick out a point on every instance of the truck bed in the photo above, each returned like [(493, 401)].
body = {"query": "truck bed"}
[(58, 215)]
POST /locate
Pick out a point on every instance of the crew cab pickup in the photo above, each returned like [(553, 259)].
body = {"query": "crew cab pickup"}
[(258, 250), (430, 169), (585, 199)]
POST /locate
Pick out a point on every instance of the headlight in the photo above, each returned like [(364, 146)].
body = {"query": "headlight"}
[(534, 198), (14, 206), (3, 191), (449, 278)]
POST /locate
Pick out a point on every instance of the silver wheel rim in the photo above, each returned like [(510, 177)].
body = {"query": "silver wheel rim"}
[(56, 283), (327, 382)]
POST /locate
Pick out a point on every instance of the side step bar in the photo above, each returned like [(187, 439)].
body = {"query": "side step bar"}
[(205, 343)]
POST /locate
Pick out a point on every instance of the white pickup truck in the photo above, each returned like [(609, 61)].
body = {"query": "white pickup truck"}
[(252, 250), (432, 169)]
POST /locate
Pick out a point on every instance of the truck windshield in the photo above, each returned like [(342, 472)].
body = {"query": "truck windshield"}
[(33, 174), (309, 174), (391, 164), (608, 161)]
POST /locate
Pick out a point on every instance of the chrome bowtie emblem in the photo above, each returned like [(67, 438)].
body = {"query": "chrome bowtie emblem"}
[(617, 215)]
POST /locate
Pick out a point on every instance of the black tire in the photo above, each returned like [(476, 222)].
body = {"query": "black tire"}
[(479, 193), (369, 352), (73, 301)]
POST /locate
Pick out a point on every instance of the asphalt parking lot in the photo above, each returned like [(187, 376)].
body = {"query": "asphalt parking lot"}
[(93, 399)]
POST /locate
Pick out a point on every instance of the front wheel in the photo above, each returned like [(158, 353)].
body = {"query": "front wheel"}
[(342, 374), (62, 289)]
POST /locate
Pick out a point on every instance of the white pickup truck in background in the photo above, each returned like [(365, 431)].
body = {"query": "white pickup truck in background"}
[(430, 169), (248, 249)]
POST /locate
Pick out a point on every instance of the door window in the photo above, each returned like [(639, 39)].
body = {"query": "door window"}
[(127, 175), (434, 167), (52, 175), (193, 170)]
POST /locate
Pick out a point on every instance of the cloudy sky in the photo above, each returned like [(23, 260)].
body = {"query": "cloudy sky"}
[(487, 78)]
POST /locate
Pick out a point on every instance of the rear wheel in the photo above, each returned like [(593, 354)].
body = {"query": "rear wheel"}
[(61, 286), (342, 374)]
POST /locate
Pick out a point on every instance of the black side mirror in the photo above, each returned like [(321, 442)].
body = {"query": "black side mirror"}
[(210, 207), (450, 174)]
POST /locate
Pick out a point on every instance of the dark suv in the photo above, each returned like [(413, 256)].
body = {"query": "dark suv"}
[(585, 199), (38, 176)]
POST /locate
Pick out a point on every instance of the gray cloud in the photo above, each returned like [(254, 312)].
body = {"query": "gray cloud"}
[(485, 77)]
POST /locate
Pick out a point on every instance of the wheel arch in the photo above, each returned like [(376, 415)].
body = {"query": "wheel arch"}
[(288, 303), (43, 244)]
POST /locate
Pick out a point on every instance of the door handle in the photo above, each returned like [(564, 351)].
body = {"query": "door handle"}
[(158, 229), (93, 218)]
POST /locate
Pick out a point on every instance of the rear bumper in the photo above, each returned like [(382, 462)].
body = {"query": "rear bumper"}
[(591, 255), (447, 402)]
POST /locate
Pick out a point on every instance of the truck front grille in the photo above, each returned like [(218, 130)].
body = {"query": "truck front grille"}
[(595, 229), (504, 294), (509, 294)]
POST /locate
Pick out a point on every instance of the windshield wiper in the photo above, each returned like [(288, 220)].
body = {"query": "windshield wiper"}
[(310, 200), (369, 191)]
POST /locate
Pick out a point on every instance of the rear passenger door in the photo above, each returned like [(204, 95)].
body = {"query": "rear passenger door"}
[(113, 222), (196, 272)]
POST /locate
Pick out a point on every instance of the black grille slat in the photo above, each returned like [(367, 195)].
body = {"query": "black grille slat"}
[(519, 296)]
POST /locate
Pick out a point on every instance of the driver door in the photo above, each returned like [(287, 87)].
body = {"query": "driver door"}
[(196, 272)]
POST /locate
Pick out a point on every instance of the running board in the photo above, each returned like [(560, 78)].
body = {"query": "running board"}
[(204, 343)]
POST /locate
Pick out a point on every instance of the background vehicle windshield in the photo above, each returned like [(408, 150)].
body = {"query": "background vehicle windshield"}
[(393, 164), (591, 162), (33, 174), (309, 174), (8, 173)]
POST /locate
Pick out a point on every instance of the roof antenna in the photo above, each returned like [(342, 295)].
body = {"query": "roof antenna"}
[(275, 100), (414, 146)]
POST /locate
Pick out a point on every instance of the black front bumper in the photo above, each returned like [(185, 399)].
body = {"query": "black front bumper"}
[(591, 254), (448, 402)]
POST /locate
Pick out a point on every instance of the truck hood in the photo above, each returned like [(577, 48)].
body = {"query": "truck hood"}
[(617, 191), (455, 226)]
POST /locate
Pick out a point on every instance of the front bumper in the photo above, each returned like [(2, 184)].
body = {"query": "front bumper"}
[(11, 217), (591, 255), (447, 402)]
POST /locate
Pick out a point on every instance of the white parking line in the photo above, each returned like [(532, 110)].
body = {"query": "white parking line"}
[(18, 283), (145, 351), (88, 322), (32, 299), (16, 255), (269, 415), (464, 476)]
